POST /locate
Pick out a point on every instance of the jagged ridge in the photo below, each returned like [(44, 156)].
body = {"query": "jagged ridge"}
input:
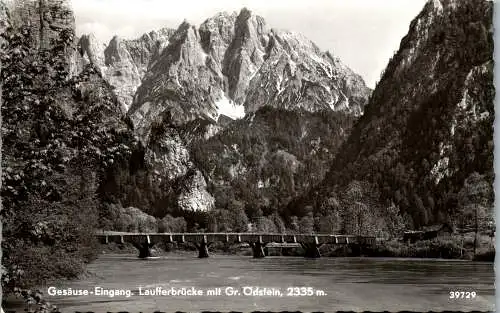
[(231, 65)]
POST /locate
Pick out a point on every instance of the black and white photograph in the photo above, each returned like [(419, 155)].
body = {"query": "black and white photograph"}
[(247, 155)]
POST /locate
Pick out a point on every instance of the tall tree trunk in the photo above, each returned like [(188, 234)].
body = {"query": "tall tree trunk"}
[(476, 230)]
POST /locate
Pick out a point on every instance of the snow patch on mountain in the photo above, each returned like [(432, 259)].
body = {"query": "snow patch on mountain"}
[(228, 108)]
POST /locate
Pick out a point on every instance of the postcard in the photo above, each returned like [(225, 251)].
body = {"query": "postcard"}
[(247, 156)]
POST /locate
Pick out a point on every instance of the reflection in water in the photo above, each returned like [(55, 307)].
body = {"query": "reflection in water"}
[(349, 283)]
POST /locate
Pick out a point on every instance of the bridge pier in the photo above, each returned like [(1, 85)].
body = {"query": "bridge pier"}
[(202, 249), (357, 249), (311, 250), (144, 247), (258, 249), (284, 252), (144, 250)]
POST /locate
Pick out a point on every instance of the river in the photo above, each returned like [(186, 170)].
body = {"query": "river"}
[(356, 284)]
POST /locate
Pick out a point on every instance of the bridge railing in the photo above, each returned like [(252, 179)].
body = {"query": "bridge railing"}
[(121, 237)]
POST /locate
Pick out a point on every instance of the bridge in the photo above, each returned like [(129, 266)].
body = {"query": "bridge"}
[(257, 241)]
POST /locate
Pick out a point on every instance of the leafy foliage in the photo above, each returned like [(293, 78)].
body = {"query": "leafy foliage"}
[(59, 136), (170, 224)]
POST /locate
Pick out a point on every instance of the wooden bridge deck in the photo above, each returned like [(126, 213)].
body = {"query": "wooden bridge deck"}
[(152, 238)]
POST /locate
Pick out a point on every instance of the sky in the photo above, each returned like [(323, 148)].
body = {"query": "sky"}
[(364, 34)]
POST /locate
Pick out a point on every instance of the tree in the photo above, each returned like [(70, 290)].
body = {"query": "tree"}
[(294, 224), (223, 221), (170, 224), (421, 212), (394, 221), (278, 222), (330, 224), (356, 219), (238, 216), (475, 203), (240, 220), (356, 215), (265, 225), (330, 204), (57, 234), (212, 225), (306, 224)]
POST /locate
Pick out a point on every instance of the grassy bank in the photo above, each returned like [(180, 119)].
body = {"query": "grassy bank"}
[(446, 249), (456, 247)]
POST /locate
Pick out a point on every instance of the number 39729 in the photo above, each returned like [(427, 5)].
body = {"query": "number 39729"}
[(462, 294)]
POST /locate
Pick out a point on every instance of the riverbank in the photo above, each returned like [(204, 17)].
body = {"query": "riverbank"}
[(444, 248), (435, 249)]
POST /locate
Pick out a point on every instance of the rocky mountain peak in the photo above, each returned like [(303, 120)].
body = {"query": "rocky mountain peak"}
[(246, 53), (115, 51), (91, 50), (250, 23), (435, 4), (441, 6), (122, 62), (234, 64), (245, 13), (222, 17), (186, 44), (216, 34)]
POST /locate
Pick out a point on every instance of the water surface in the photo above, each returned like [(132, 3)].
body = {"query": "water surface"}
[(355, 284)]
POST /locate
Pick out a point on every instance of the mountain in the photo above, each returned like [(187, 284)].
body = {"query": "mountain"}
[(123, 63), (202, 80), (233, 64), (424, 146), (230, 65)]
